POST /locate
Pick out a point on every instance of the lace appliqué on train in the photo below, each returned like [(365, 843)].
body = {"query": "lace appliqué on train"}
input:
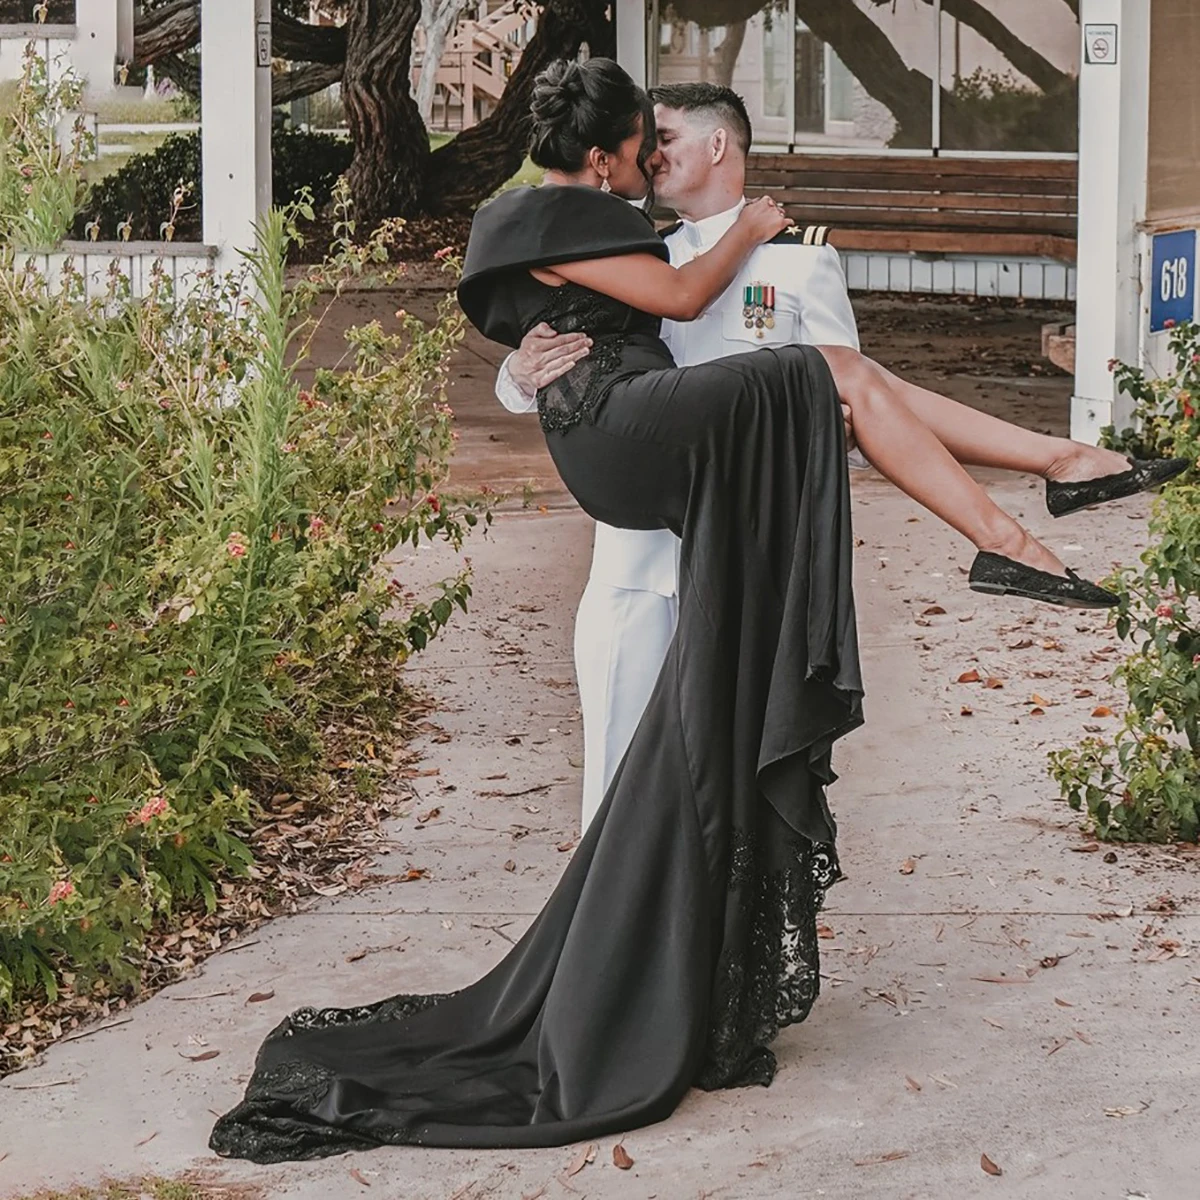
[(769, 977), (572, 398), (272, 1123)]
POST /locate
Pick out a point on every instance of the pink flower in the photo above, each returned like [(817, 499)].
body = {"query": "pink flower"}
[(1196, 660), (444, 252), (433, 502), (401, 314), (235, 545), (154, 807), (1169, 323), (1196, 358), (60, 891), (316, 527), (288, 447), (1164, 610), (377, 527), (1112, 363)]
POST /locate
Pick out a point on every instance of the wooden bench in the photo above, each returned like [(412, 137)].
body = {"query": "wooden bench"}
[(992, 206)]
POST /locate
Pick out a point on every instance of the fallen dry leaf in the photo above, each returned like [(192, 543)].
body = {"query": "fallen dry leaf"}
[(994, 1023), (1102, 710), (989, 1166), (413, 873), (825, 931), (934, 610), (911, 1084), (510, 865), (259, 997), (431, 815), (359, 1177), (1000, 979), (621, 1159), (971, 676), (1023, 644), (890, 1156), (202, 1057), (908, 866), (148, 1138), (1037, 712), (1041, 701), (1083, 693), (1089, 848), (965, 711), (1063, 1003), (1126, 1110), (586, 1155), (993, 683), (563, 847)]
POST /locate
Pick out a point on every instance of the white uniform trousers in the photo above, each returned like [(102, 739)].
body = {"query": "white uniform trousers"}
[(621, 641)]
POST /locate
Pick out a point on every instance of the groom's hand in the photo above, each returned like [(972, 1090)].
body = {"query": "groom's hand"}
[(545, 356)]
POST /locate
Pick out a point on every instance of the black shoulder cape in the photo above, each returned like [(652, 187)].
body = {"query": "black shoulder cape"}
[(538, 227)]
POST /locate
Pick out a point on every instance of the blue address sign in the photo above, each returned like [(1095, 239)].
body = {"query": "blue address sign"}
[(1172, 279)]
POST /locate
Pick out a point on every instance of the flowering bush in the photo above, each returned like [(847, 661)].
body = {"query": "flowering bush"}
[(1144, 783), (193, 573)]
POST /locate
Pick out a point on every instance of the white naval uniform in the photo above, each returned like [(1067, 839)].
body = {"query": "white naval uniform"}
[(630, 607)]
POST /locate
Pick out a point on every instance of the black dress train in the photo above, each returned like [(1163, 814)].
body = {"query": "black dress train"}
[(682, 936)]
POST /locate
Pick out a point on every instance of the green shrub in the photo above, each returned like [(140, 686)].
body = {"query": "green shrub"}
[(1143, 784), (139, 200), (194, 576)]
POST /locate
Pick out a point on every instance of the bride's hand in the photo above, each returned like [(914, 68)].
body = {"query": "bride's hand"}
[(763, 219)]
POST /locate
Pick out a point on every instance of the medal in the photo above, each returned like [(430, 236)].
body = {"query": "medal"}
[(758, 307)]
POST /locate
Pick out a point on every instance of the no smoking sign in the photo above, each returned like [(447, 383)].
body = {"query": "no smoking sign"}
[(1100, 44)]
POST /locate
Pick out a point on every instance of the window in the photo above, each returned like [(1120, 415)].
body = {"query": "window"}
[(953, 76)]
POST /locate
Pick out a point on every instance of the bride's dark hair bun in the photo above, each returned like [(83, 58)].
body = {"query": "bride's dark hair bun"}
[(578, 105)]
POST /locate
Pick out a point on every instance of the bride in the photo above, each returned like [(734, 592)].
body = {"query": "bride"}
[(682, 936)]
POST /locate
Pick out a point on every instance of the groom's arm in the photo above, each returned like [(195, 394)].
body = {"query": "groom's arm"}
[(543, 356)]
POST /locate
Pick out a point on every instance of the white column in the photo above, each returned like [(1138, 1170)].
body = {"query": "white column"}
[(632, 20), (235, 122), (1114, 108), (124, 30), (94, 53)]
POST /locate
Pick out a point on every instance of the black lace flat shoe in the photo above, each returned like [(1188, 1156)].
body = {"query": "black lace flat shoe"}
[(1063, 498), (1000, 576)]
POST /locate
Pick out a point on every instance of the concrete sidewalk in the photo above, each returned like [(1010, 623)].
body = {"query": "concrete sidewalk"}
[(988, 990), (991, 986)]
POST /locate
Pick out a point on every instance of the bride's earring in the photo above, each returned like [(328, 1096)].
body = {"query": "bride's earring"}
[(605, 186)]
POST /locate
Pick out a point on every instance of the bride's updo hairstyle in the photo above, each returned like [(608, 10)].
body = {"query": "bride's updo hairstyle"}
[(580, 105)]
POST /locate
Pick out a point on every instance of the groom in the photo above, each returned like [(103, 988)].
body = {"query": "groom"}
[(791, 291)]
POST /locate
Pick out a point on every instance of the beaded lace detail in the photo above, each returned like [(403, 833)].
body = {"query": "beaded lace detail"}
[(573, 398)]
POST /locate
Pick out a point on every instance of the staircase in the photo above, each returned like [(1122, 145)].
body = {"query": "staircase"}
[(480, 56)]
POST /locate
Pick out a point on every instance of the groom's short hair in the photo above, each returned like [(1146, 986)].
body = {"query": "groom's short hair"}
[(723, 104)]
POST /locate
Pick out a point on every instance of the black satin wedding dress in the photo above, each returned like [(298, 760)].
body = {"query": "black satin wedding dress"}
[(682, 936)]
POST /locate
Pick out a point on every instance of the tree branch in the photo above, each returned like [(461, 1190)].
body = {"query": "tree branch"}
[(176, 27), (304, 81)]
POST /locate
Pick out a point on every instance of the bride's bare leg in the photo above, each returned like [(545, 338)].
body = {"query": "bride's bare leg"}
[(979, 440), (905, 450)]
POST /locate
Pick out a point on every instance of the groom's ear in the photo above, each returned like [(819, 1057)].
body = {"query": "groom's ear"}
[(719, 144)]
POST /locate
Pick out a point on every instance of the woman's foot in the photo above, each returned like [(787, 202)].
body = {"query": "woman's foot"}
[(1019, 546), (1079, 462), (996, 575), (1068, 495)]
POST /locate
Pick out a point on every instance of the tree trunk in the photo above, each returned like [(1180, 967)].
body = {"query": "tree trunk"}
[(468, 169), (438, 18), (391, 145), (728, 51)]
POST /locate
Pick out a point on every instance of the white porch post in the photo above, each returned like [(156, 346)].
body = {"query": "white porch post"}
[(94, 53), (632, 20), (1113, 130), (235, 122)]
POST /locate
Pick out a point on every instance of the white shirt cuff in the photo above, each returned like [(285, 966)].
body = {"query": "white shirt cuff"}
[(509, 393)]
